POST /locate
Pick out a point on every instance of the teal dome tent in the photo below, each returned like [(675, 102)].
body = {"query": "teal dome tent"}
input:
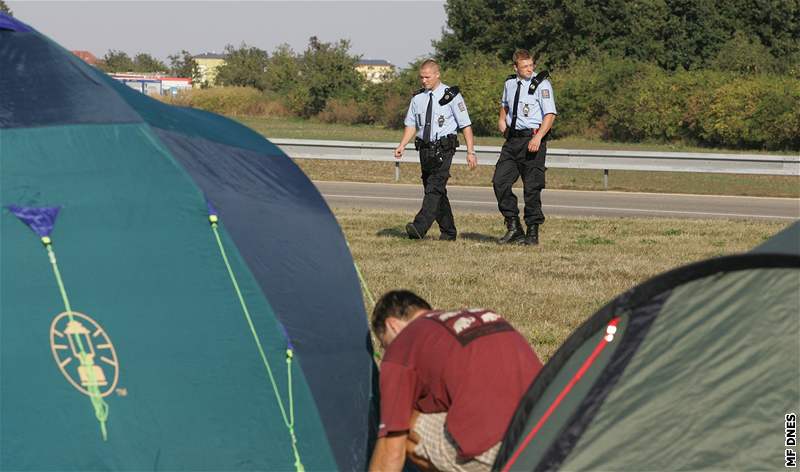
[(174, 292)]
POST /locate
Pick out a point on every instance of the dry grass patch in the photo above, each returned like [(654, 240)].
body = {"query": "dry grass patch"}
[(547, 291)]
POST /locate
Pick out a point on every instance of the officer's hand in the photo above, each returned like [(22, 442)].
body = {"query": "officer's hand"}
[(398, 152), (472, 160), (501, 125), (534, 144)]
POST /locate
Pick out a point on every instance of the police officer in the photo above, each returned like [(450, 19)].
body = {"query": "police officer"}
[(435, 115), (527, 112)]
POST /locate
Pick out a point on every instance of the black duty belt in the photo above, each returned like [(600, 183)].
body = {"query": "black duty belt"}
[(520, 133), (451, 140)]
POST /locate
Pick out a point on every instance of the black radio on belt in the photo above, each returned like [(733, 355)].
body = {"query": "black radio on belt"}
[(431, 155)]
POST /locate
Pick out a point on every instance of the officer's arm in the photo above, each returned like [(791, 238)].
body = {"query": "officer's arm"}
[(536, 141), (547, 123), (408, 133), (501, 122), (472, 159), (389, 453)]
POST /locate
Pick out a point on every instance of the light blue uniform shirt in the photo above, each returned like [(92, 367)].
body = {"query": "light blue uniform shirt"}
[(531, 108), (446, 119)]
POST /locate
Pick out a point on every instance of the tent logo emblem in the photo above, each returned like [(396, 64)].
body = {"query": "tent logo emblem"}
[(69, 337)]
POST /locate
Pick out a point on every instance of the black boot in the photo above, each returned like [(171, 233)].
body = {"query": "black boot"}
[(413, 232), (514, 233), (532, 236)]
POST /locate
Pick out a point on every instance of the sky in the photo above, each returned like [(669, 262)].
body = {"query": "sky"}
[(397, 31)]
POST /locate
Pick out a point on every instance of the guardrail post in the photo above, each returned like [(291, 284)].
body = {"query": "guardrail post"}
[(605, 179), (397, 171)]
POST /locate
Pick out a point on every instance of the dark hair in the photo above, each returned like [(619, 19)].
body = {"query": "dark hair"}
[(521, 54), (397, 303)]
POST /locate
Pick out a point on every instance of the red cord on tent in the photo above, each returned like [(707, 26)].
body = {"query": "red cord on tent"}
[(611, 329)]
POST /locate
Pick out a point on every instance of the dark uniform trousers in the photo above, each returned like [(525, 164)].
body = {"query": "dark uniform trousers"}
[(515, 161), (435, 204)]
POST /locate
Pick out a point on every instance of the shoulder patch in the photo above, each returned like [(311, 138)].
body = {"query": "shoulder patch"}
[(417, 92), (449, 94), (545, 93)]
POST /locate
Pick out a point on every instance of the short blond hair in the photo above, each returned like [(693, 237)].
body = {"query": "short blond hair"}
[(521, 54), (429, 63)]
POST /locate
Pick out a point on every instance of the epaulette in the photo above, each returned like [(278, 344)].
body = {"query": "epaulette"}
[(538, 79), (449, 94), (417, 92), (512, 76)]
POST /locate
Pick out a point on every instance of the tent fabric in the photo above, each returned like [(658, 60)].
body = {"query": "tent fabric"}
[(673, 394), (10, 23), (717, 398), (43, 85), (134, 178), (785, 242)]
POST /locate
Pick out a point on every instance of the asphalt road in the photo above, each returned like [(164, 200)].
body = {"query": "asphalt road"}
[(566, 202)]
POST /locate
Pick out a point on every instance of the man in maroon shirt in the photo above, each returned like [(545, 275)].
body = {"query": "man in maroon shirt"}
[(450, 382)]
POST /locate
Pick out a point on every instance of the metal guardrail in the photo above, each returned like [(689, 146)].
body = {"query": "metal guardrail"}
[(606, 160)]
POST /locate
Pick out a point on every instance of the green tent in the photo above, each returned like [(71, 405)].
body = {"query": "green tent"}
[(174, 292), (693, 369)]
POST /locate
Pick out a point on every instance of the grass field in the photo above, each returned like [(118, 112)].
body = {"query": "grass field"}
[(546, 291), (660, 182)]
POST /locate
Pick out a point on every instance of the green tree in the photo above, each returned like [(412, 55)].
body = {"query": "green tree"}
[(116, 61), (244, 67), (182, 64), (283, 70), (672, 33), (4, 8), (144, 62), (480, 78), (745, 55), (328, 70)]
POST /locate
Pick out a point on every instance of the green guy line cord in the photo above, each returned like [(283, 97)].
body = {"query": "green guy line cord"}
[(371, 299), (287, 420), (100, 406), (364, 287)]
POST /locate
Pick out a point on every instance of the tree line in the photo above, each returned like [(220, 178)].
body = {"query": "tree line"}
[(741, 35), (710, 73)]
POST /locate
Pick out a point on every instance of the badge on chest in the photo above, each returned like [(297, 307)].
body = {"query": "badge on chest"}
[(526, 109), (441, 121)]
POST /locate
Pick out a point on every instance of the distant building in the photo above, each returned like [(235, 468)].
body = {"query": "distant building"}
[(173, 85), (87, 57), (207, 64), (154, 84), (375, 70)]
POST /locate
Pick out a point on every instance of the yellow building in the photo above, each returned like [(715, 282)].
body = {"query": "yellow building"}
[(208, 63), (375, 70)]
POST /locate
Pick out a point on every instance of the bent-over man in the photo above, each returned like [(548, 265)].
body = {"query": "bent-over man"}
[(450, 383)]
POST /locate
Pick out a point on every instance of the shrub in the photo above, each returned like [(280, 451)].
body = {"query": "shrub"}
[(342, 111), (235, 101)]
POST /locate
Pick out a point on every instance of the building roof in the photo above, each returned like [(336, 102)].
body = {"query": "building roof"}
[(374, 62), (209, 55), (86, 56)]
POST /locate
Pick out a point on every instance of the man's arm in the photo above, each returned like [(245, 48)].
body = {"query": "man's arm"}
[(472, 159), (547, 123), (389, 453), (408, 133), (501, 122)]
